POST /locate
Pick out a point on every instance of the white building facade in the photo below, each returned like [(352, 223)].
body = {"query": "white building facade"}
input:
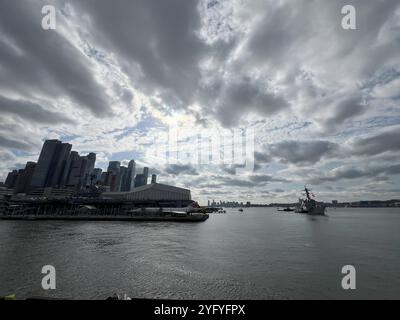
[(152, 192)]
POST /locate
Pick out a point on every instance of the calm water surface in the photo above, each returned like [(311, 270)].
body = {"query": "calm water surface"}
[(260, 254)]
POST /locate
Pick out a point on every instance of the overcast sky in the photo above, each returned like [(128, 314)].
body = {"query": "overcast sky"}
[(115, 75)]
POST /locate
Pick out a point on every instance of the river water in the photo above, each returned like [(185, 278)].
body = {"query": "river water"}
[(258, 254)]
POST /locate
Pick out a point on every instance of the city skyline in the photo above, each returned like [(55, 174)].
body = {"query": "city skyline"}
[(58, 166), (322, 101)]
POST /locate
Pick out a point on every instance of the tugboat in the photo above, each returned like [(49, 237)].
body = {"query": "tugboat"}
[(309, 205)]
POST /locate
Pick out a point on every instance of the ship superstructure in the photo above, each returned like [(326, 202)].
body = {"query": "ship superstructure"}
[(308, 205)]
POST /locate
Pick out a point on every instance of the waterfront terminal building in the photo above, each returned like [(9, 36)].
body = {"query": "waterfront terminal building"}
[(150, 192)]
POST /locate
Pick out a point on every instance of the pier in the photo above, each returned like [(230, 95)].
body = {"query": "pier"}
[(98, 210)]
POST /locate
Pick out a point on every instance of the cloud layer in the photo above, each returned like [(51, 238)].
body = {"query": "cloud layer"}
[(114, 76)]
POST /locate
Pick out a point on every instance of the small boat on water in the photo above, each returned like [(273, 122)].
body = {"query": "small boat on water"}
[(240, 210), (309, 205), (286, 210)]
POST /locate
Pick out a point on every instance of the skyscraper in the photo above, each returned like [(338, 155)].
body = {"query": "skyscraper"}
[(146, 174), (90, 167), (109, 179), (130, 180), (77, 172), (52, 162), (68, 167), (58, 164), (64, 179), (123, 173), (24, 179), (153, 178), (11, 179), (141, 179), (97, 172), (42, 169), (114, 167)]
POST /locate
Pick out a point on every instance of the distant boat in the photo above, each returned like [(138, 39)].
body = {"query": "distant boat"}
[(309, 205), (241, 210), (286, 209)]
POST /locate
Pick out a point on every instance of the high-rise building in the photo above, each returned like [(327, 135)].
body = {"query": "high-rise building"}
[(68, 167), (51, 165), (78, 176), (72, 156), (114, 167), (130, 180), (141, 179), (127, 176), (153, 178), (79, 170), (58, 164), (146, 174), (24, 179), (97, 173), (11, 179), (123, 173), (109, 179), (42, 169), (103, 178), (90, 167), (75, 170)]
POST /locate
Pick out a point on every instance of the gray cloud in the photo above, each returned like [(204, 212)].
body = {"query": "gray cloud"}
[(35, 61), (247, 95), (6, 156), (260, 179), (302, 152), (234, 169), (155, 41), (262, 63), (242, 182), (378, 173), (377, 144), (10, 143), (339, 112), (31, 111), (237, 182), (308, 152), (181, 169), (260, 157), (230, 169)]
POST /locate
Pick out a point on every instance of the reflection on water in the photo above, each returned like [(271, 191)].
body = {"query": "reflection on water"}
[(261, 254)]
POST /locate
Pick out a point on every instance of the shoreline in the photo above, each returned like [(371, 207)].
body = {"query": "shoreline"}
[(187, 218)]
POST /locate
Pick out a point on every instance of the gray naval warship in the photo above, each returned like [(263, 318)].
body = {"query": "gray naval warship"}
[(308, 205)]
